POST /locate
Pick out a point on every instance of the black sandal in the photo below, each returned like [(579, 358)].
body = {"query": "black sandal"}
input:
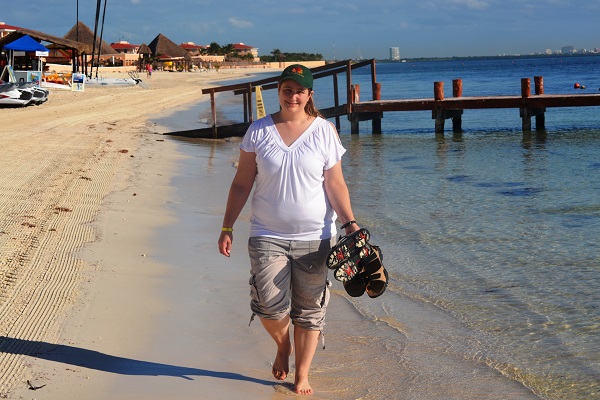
[(372, 277), (347, 252)]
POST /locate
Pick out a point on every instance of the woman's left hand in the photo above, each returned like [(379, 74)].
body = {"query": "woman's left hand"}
[(225, 242)]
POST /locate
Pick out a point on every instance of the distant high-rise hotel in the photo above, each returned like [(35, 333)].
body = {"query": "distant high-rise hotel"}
[(395, 53)]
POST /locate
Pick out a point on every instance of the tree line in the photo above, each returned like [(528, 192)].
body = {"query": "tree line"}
[(230, 54), (278, 55)]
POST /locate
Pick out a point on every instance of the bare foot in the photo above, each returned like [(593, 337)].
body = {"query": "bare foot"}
[(281, 365), (301, 386)]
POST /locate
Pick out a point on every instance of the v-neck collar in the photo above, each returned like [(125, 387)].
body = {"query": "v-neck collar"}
[(298, 140)]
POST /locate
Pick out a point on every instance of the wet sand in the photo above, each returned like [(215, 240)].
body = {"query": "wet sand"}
[(111, 285)]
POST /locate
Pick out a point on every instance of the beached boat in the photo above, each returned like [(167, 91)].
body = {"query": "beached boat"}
[(39, 95), (12, 96), (22, 94)]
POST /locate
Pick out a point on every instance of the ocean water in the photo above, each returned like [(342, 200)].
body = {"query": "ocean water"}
[(496, 228)]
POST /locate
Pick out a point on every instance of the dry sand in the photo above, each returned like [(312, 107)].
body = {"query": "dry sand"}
[(111, 286), (59, 163)]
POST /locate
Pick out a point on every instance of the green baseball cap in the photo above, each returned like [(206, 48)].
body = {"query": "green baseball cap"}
[(298, 73)]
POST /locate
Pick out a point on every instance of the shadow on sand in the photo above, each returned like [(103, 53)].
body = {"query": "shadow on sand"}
[(104, 362)]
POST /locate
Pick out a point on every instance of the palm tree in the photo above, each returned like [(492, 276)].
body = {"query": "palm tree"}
[(227, 49), (214, 49)]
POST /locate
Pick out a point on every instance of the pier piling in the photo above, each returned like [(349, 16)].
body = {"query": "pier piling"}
[(527, 112), (441, 114), (540, 113)]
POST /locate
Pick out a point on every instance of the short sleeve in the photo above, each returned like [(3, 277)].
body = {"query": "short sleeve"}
[(248, 142), (334, 148)]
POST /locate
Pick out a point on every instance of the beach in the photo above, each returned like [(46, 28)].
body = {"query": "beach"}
[(111, 282)]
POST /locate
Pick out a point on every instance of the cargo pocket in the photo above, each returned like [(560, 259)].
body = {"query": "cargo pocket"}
[(253, 297), (253, 291), (326, 295), (324, 302)]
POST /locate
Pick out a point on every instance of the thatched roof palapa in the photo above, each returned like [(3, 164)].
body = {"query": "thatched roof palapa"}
[(58, 41), (144, 49), (81, 33), (163, 46)]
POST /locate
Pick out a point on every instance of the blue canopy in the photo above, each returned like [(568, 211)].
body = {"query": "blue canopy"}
[(25, 43)]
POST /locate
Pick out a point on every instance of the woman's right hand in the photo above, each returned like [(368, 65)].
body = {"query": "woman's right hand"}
[(225, 241)]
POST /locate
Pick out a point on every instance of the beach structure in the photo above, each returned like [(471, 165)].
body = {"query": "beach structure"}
[(171, 56), (104, 52), (74, 48), (144, 54), (357, 110), (74, 51), (328, 70), (82, 33), (33, 52)]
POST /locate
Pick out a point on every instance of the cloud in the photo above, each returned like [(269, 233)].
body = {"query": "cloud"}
[(472, 4), (240, 23), (136, 1)]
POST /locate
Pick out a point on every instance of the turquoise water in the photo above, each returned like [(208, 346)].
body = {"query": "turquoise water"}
[(497, 228), (502, 233)]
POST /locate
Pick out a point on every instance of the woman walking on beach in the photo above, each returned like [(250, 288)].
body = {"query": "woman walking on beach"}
[(292, 158)]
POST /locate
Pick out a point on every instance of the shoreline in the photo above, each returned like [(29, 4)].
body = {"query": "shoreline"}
[(150, 309)]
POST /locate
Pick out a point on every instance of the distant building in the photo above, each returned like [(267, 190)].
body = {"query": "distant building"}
[(125, 47), (568, 50), (5, 29), (193, 48), (395, 53), (243, 49)]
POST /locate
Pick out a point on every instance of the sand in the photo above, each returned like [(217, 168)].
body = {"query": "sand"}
[(68, 270), (111, 285)]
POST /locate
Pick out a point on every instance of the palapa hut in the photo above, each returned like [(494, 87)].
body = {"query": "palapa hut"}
[(169, 54), (144, 56), (69, 49), (81, 33)]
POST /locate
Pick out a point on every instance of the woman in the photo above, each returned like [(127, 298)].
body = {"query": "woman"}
[(293, 160)]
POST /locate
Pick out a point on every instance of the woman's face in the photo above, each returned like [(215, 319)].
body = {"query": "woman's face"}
[(293, 96)]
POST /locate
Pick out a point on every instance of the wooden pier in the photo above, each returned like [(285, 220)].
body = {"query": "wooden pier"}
[(356, 110)]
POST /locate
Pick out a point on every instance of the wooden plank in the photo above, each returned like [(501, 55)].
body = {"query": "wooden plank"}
[(483, 102), (579, 100), (270, 83), (333, 111)]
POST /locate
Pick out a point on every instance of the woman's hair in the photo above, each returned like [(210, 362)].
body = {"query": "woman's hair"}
[(311, 109)]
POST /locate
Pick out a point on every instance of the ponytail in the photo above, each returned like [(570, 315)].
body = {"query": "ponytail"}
[(310, 108)]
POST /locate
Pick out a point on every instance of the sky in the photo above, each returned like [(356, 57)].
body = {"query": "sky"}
[(336, 29)]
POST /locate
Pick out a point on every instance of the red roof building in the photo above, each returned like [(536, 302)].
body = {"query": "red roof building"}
[(244, 49), (6, 29), (193, 48), (125, 47)]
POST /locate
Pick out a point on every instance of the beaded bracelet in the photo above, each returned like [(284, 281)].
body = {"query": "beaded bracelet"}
[(347, 224)]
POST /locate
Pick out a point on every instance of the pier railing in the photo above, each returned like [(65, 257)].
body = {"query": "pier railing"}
[(247, 89), (356, 110)]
